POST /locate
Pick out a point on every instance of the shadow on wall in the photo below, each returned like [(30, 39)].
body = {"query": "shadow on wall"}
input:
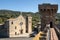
[(2, 31)]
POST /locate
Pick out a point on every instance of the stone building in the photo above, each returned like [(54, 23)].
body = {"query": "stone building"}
[(18, 27), (48, 13)]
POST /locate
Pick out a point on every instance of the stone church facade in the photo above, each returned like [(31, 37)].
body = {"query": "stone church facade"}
[(18, 27)]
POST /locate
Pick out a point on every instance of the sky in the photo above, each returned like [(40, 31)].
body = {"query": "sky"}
[(25, 5)]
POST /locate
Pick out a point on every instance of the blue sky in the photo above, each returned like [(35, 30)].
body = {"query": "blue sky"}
[(25, 5)]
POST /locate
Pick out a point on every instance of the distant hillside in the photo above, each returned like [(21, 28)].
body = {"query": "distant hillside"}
[(6, 14)]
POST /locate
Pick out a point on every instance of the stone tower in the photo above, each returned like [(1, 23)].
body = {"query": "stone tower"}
[(28, 23), (47, 12)]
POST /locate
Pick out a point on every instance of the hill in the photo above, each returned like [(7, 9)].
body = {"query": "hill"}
[(6, 14)]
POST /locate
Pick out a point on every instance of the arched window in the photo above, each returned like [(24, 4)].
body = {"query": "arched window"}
[(51, 24), (15, 27), (48, 9), (44, 9), (40, 9), (11, 22), (21, 31), (15, 33), (52, 9)]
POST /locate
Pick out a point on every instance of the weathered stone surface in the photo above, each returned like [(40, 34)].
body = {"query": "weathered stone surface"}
[(48, 13), (18, 27)]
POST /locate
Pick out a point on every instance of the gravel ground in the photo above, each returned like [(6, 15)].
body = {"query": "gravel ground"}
[(16, 38)]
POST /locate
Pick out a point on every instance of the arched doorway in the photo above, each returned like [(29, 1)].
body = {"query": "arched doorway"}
[(51, 24)]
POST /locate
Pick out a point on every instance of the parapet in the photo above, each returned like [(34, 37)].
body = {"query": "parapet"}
[(48, 6)]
